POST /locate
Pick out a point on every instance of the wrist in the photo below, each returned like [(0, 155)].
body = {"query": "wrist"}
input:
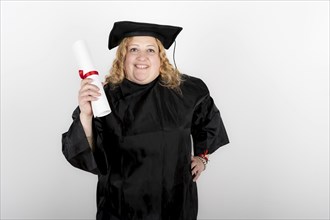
[(85, 117), (204, 155), (204, 161), (86, 122)]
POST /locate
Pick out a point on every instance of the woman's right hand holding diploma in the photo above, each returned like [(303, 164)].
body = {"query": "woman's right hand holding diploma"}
[(87, 93)]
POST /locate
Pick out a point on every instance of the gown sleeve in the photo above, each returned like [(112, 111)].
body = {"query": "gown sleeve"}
[(208, 131), (77, 151)]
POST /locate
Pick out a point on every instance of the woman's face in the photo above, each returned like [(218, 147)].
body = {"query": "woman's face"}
[(142, 60)]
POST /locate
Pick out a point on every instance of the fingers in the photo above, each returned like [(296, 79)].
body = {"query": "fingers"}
[(89, 94), (193, 162), (196, 176), (197, 167), (88, 91), (86, 84), (87, 98)]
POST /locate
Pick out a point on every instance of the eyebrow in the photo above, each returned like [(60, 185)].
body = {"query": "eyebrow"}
[(149, 45)]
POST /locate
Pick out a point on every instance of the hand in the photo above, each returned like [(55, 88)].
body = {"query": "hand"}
[(87, 93), (197, 167)]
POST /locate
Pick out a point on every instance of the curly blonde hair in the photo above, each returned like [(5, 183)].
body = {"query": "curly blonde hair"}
[(170, 76)]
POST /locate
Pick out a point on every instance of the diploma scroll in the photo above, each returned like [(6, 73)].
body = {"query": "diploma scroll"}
[(86, 69)]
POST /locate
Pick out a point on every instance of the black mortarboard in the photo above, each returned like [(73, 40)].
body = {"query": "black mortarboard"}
[(165, 33)]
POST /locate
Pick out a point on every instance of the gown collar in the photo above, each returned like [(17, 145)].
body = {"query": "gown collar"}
[(128, 87)]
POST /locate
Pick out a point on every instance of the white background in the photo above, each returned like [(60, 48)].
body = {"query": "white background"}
[(266, 64)]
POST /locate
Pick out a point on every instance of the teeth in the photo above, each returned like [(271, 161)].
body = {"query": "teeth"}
[(141, 66)]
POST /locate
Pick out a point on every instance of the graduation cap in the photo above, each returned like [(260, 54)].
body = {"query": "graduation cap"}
[(121, 29)]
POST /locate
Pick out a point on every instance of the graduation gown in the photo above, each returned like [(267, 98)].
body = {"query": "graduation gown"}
[(143, 149)]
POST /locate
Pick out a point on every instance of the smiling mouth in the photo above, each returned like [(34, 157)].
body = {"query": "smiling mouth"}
[(140, 66)]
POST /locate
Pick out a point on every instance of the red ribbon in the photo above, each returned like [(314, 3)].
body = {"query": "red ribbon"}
[(204, 155), (84, 76)]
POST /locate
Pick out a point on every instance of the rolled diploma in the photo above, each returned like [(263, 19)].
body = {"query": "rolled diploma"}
[(101, 106)]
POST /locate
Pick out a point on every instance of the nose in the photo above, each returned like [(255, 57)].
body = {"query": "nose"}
[(142, 55)]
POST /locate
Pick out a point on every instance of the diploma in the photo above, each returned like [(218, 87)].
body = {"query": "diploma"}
[(101, 106)]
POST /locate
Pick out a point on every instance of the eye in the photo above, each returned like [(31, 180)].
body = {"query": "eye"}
[(133, 50), (150, 50)]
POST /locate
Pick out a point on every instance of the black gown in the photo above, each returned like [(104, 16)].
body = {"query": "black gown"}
[(143, 149)]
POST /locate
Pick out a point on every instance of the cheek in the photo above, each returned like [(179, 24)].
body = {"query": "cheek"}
[(156, 64), (127, 63)]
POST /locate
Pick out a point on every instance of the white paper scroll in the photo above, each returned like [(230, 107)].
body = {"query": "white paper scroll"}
[(101, 106)]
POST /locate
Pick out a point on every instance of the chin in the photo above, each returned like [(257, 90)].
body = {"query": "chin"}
[(144, 79)]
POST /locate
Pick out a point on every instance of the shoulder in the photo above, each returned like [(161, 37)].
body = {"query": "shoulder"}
[(194, 88), (112, 91), (194, 84)]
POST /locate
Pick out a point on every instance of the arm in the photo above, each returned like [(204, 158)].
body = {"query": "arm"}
[(86, 123), (82, 144), (208, 130), (76, 148), (87, 93), (208, 133)]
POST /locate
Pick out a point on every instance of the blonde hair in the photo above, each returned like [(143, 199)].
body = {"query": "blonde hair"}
[(170, 76)]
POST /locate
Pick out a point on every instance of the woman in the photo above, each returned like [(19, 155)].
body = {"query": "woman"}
[(142, 150)]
